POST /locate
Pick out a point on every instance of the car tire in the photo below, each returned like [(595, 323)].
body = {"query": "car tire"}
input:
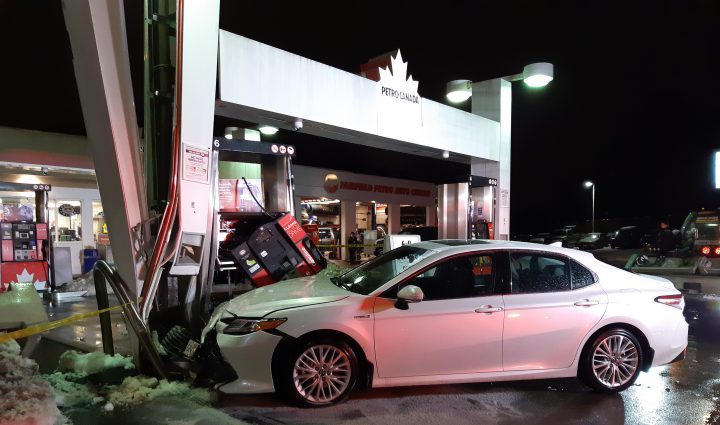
[(318, 373), (611, 361)]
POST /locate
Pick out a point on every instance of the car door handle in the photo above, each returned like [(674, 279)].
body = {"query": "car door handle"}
[(586, 303), (488, 309)]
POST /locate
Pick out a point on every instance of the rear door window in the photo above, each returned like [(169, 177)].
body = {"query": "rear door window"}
[(539, 272)]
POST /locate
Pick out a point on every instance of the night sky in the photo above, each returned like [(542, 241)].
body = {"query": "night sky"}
[(633, 106)]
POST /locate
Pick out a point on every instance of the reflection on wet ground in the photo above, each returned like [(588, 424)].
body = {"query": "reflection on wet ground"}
[(682, 393)]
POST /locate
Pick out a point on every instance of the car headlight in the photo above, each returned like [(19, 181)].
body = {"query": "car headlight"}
[(238, 326)]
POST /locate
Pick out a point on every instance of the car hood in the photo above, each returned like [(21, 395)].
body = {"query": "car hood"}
[(293, 293)]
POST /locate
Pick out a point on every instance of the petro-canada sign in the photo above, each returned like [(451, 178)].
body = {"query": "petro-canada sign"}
[(398, 102)]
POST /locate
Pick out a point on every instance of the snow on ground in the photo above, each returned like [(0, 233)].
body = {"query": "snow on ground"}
[(25, 398), (92, 363), (78, 389)]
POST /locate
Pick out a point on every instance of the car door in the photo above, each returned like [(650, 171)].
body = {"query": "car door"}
[(553, 303), (457, 328)]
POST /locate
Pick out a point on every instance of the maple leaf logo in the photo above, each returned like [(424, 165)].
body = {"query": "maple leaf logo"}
[(396, 75), (25, 277)]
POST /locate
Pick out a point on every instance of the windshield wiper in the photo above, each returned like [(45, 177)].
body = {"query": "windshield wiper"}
[(337, 282)]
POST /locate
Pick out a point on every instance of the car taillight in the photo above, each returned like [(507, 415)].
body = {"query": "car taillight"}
[(671, 300), (705, 250), (717, 250)]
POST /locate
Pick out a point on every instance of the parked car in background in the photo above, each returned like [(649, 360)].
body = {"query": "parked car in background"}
[(542, 238), (627, 237), (593, 241), (426, 233), (522, 237), (327, 235), (566, 236)]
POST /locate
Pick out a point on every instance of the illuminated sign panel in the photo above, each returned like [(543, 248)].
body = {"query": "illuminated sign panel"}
[(717, 170), (398, 102)]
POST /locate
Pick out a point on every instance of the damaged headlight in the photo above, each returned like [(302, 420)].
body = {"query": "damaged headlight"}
[(238, 326)]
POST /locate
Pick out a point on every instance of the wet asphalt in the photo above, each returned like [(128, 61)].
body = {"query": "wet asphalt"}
[(686, 392)]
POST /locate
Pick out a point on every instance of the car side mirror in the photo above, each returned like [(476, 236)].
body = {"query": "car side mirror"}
[(408, 294)]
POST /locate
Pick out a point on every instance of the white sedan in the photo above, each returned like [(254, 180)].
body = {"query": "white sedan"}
[(449, 312)]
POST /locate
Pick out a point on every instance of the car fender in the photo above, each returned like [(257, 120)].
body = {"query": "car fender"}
[(351, 316), (614, 315)]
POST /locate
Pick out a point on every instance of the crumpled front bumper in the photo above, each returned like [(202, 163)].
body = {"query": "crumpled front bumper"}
[(251, 357)]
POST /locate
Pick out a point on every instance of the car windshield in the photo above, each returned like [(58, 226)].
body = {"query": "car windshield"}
[(593, 236), (325, 233), (559, 232), (708, 231), (369, 276)]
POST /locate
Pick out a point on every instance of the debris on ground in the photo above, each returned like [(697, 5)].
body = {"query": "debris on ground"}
[(332, 270), (25, 398), (85, 282)]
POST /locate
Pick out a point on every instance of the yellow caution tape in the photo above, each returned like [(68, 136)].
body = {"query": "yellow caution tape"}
[(348, 246), (42, 327)]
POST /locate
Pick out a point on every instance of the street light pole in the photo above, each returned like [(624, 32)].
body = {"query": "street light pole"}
[(589, 184), (593, 208)]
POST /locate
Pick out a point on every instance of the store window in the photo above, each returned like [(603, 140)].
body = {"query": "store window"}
[(100, 233), (68, 223)]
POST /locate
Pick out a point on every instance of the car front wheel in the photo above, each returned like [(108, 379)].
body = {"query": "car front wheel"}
[(320, 373), (612, 362)]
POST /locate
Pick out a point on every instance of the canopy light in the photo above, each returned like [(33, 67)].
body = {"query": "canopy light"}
[(268, 130), (229, 132), (459, 90), (538, 74), (446, 154)]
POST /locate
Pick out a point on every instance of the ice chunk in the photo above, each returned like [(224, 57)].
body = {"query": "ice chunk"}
[(92, 363), (137, 389)]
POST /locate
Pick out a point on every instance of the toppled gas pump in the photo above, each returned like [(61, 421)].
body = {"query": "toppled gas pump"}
[(277, 250)]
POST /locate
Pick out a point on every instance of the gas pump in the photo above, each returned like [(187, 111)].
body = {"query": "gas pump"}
[(24, 241), (481, 207)]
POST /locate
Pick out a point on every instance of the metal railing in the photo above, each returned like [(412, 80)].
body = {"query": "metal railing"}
[(102, 273)]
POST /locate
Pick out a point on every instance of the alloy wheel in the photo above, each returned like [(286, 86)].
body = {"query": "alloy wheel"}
[(322, 373), (615, 361)]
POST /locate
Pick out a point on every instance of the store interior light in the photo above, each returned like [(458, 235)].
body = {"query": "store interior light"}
[(538, 74), (268, 130), (459, 90)]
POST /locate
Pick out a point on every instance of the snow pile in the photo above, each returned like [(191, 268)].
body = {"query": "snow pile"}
[(74, 384), (92, 363), (138, 389), (71, 389), (25, 399)]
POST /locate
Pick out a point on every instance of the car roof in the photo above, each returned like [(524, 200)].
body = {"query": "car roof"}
[(466, 245)]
